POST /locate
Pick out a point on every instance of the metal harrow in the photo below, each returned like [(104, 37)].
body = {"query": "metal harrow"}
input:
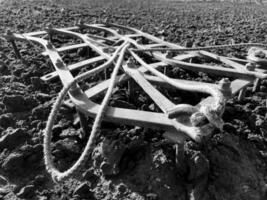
[(124, 47)]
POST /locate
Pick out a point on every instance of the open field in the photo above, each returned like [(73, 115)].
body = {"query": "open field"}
[(232, 164)]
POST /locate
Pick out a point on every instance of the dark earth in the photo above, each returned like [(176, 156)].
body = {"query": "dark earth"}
[(231, 164)]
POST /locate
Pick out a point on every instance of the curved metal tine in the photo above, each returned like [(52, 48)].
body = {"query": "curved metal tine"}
[(158, 81), (222, 59)]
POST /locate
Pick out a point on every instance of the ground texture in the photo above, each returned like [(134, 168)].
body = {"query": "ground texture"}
[(230, 165)]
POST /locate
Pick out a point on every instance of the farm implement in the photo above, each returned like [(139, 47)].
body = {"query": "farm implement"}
[(138, 58)]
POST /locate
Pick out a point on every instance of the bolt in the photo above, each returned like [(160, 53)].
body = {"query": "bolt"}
[(250, 66)]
